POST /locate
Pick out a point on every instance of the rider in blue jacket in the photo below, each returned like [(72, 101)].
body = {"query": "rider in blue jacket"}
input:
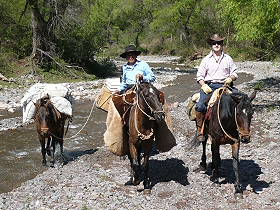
[(134, 69)]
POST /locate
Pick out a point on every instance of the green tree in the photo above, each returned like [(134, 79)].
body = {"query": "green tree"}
[(254, 20)]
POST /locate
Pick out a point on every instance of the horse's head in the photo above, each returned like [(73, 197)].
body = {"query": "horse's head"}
[(45, 116), (152, 99), (243, 115)]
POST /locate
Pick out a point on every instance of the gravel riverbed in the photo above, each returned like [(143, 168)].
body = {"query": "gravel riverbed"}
[(96, 180)]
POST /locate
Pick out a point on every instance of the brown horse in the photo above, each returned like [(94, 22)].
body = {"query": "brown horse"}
[(228, 122), (147, 109), (50, 125)]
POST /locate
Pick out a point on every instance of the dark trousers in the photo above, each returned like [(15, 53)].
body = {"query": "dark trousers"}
[(201, 105)]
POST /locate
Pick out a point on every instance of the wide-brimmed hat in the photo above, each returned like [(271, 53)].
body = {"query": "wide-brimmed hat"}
[(129, 49), (215, 38)]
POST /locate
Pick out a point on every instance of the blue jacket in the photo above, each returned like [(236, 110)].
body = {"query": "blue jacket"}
[(130, 72)]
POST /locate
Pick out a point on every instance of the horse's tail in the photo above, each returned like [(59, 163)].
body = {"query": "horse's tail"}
[(194, 142)]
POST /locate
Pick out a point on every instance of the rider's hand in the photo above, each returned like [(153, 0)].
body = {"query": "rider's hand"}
[(139, 77), (206, 88), (228, 81)]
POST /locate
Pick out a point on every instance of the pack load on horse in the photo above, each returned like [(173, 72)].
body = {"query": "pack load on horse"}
[(59, 94), (227, 121), (50, 105), (136, 121), (110, 86)]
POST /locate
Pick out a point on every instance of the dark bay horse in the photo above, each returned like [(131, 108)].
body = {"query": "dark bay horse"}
[(148, 109), (50, 125), (228, 123)]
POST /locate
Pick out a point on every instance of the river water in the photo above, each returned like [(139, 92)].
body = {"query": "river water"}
[(20, 155)]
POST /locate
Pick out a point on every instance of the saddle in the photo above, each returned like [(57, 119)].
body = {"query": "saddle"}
[(195, 98), (191, 106)]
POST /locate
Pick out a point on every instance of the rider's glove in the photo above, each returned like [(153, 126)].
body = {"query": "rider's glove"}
[(139, 77), (228, 81), (206, 88)]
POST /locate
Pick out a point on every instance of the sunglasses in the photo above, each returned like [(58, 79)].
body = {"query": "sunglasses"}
[(217, 42), (130, 55)]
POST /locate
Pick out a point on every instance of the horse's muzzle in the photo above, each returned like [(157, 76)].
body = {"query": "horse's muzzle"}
[(246, 139), (44, 131)]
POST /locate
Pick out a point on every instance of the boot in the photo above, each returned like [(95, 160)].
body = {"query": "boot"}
[(199, 126)]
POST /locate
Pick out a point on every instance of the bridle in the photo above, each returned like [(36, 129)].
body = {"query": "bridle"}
[(150, 108), (240, 133), (141, 135), (58, 116)]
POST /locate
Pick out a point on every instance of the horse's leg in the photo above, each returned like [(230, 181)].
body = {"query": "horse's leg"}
[(130, 181), (61, 148), (202, 166), (43, 150), (53, 141), (236, 165), (147, 145), (48, 146), (60, 141), (134, 163), (216, 160)]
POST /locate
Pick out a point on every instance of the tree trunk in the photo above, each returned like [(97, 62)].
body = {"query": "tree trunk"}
[(41, 39)]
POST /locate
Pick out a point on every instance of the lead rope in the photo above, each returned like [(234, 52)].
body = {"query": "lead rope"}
[(90, 113)]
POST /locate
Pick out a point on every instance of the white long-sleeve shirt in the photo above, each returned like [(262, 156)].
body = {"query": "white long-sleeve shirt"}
[(212, 70)]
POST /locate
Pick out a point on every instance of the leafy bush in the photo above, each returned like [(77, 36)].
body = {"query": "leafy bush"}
[(102, 68)]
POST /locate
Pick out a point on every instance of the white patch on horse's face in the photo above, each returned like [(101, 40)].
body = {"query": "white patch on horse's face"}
[(152, 90), (244, 111)]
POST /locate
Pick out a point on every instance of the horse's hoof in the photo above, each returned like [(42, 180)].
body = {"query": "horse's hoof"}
[(147, 191), (238, 196), (136, 182), (129, 182), (199, 169), (215, 180), (44, 163), (48, 152)]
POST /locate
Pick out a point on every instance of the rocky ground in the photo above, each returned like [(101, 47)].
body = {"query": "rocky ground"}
[(96, 179)]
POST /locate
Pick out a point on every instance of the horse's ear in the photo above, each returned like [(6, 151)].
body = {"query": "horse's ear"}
[(253, 95), (236, 97), (161, 97)]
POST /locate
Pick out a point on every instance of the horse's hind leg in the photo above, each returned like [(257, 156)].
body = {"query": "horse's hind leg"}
[(236, 166), (43, 150)]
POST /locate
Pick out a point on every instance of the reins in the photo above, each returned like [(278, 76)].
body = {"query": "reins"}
[(235, 119), (141, 135)]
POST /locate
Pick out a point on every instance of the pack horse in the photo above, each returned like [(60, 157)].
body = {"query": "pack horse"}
[(50, 126)]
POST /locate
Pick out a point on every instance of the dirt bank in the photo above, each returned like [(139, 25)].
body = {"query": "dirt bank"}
[(96, 179)]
